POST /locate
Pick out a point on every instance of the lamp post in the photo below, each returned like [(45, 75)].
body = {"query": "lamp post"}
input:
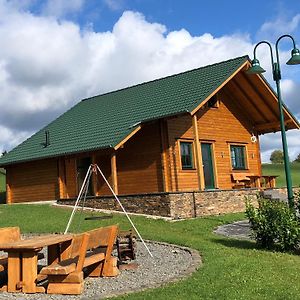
[(257, 69)]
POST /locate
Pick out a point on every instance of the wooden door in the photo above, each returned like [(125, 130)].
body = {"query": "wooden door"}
[(208, 169), (82, 168)]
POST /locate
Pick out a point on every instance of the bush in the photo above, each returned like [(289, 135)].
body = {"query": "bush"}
[(274, 225)]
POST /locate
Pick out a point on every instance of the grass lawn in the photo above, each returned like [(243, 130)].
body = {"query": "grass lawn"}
[(278, 169), (232, 269)]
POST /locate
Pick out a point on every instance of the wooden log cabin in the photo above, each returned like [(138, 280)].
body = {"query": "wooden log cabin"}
[(186, 132)]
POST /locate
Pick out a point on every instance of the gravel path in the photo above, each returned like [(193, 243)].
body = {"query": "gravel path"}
[(170, 263)]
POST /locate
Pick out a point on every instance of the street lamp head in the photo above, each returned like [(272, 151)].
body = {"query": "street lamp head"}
[(295, 59), (256, 68)]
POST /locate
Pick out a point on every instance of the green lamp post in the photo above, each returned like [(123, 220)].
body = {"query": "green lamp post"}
[(257, 69)]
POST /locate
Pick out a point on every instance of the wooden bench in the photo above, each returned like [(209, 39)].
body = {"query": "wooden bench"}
[(91, 251), (99, 260), (241, 180), (269, 181), (66, 277)]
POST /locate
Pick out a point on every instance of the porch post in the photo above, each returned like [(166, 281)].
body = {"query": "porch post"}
[(94, 177), (61, 178), (164, 158), (8, 188), (113, 164), (198, 154)]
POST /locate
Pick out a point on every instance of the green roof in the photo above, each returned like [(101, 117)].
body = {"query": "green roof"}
[(104, 121)]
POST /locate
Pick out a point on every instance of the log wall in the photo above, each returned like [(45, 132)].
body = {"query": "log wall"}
[(221, 127), (139, 165), (33, 181), (149, 162)]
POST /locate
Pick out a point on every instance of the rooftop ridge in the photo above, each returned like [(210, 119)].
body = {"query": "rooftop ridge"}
[(161, 78)]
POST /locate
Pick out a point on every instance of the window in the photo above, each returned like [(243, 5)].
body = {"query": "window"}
[(238, 157), (186, 150)]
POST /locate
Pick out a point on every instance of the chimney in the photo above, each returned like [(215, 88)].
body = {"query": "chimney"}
[(47, 136)]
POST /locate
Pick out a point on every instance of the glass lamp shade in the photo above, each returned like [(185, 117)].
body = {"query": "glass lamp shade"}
[(256, 68), (295, 59)]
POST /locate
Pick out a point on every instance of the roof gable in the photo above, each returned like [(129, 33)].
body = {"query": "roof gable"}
[(104, 121)]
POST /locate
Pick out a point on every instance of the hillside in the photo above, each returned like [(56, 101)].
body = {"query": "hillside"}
[(278, 169)]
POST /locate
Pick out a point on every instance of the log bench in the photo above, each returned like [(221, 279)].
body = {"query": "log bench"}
[(90, 251)]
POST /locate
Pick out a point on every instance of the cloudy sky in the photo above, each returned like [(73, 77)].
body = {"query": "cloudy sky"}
[(54, 53)]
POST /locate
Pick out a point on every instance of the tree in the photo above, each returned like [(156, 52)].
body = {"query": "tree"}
[(276, 157), (297, 158)]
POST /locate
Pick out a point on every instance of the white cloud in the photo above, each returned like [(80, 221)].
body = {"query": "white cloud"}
[(290, 95), (114, 4), (60, 8), (272, 141), (281, 25), (47, 65)]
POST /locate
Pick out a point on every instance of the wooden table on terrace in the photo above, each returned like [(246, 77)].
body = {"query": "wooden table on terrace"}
[(23, 260)]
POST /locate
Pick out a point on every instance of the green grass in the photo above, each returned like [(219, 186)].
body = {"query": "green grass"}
[(232, 269), (278, 169)]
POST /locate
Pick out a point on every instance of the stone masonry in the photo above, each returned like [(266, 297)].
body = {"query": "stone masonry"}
[(177, 205)]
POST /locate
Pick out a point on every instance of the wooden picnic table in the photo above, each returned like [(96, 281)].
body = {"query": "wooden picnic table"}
[(23, 259)]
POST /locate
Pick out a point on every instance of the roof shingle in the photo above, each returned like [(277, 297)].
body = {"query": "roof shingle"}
[(104, 121)]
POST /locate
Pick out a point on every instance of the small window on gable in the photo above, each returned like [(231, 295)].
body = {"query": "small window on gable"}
[(186, 152), (238, 160), (213, 102)]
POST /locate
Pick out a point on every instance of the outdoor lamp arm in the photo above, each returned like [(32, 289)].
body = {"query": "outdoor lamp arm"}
[(276, 66), (271, 50)]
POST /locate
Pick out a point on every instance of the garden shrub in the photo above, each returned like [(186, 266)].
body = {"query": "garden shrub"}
[(274, 224)]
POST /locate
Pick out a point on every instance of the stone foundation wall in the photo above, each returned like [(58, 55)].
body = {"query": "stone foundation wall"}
[(189, 205), (284, 190), (178, 205), (150, 204)]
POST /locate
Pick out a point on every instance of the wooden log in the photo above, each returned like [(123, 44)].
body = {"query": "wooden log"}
[(75, 277), (113, 162), (95, 270), (13, 271), (199, 162), (65, 250), (110, 268), (3, 288), (53, 254), (65, 288), (93, 258), (94, 177), (40, 289), (164, 156), (9, 196), (62, 268), (29, 272), (9, 234)]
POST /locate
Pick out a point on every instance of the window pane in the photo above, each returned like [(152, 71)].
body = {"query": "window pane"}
[(238, 157), (186, 155)]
